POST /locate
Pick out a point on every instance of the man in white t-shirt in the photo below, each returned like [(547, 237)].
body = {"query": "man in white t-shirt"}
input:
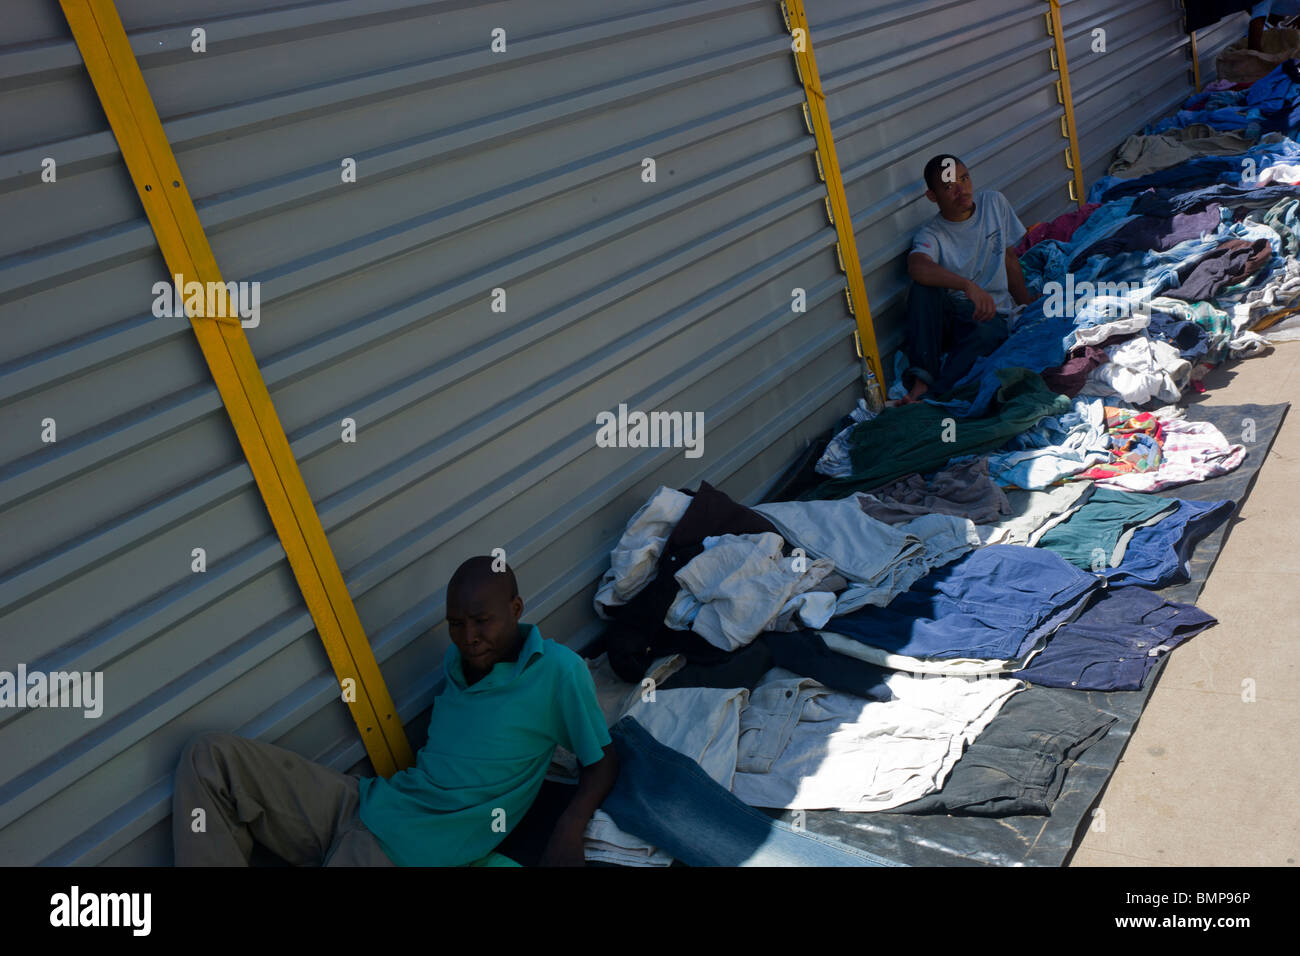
[(966, 279)]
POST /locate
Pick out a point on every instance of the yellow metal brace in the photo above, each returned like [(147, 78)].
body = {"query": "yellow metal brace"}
[(1196, 63), (1065, 97), (837, 205), (98, 32)]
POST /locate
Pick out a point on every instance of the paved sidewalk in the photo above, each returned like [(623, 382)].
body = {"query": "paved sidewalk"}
[(1209, 779)]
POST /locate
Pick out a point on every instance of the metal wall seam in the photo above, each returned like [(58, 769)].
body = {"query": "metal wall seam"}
[(119, 84), (1196, 63), (1196, 55), (1073, 159), (828, 168)]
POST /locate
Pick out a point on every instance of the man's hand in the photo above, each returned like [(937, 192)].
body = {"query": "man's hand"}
[(985, 308), (565, 846), (594, 784)]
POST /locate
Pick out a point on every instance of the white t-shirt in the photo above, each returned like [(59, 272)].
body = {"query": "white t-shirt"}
[(975, 248)]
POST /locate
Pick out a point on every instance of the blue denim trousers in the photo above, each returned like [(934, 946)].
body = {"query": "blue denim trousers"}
[(1161, 554), (943, 339), (667, 799), (995, 603)]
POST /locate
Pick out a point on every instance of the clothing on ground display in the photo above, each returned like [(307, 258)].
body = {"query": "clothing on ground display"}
[(1034, 512), (666, 799), (1160, 554), (803, 746), (1114, 644), (1190, 451), (637, 634), (1019, 763), (993, 603), (700, 723), (633, 561), (962, 489), (1090, 538), (919, 437)]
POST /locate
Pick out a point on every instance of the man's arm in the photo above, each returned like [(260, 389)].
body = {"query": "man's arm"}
[(925, 271), (594, 784), (1016, 279)]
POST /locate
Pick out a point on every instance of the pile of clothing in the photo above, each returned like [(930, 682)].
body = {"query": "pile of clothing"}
[(1199, 213), (875, 645), (855, 653)]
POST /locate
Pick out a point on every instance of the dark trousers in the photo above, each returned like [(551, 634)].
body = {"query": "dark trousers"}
[(943, 338)]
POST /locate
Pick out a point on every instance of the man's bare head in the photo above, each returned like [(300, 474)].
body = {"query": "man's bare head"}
[(948, 184), (477, 573), (483, 610)]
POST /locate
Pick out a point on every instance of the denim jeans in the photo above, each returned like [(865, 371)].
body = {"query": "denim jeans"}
[(943, 338), (1161, 554), (665, 798), (995, 603)]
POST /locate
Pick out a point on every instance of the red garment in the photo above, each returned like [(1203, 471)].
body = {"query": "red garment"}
[(1070, 376), (1062, 227)]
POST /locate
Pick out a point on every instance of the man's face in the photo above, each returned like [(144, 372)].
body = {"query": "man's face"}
[(955, 193), (484, 625)]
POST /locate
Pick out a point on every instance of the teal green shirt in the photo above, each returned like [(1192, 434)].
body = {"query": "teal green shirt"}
[(489, 746)]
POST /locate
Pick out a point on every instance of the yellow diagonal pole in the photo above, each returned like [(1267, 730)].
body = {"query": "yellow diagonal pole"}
[(1065, 97), (796, 21), (115, 73)]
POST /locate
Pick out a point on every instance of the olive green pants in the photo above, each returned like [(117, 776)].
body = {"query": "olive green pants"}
[(230, 791)]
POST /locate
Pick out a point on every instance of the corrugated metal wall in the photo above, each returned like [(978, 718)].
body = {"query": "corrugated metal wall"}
[(1143, 73), (476, 171), (476, 429)]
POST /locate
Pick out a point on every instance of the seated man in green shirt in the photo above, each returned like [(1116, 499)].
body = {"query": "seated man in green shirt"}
[(510, 697)]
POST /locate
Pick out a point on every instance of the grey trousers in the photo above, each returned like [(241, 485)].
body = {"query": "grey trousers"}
[(248, 790)]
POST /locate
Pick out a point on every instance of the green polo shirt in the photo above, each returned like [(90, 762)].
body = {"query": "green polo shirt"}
[(489, 746)]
